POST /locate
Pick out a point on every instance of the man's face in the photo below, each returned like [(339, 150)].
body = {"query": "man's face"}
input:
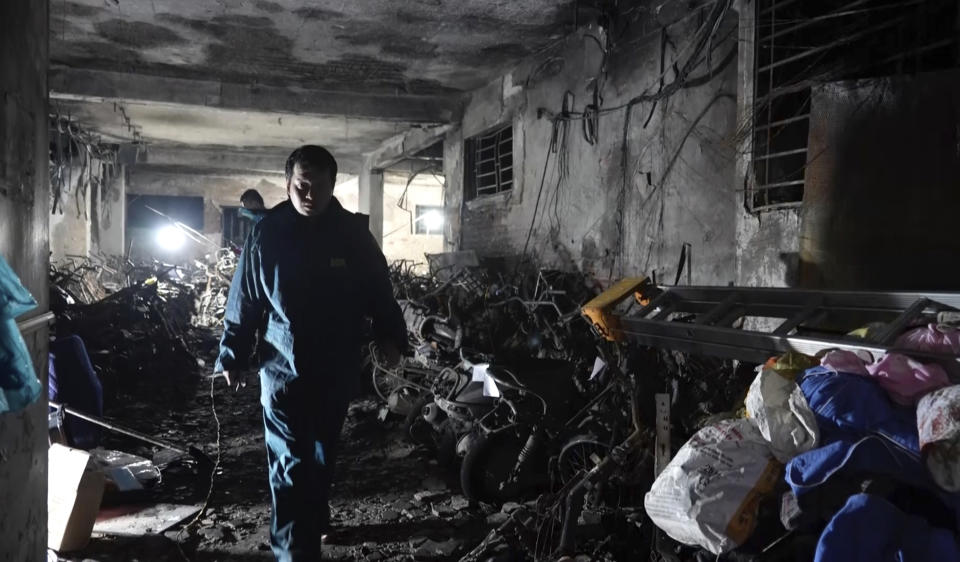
[(310, 190)]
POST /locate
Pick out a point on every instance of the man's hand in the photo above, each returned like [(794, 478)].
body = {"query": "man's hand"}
[(239, 378), (389, 354)]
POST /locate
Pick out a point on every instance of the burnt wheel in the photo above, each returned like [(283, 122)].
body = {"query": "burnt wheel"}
[(575, 456), (488, 464)]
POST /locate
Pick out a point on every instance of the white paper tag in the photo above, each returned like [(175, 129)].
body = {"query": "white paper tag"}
[(490, 387), (598, 366), (480, 372)]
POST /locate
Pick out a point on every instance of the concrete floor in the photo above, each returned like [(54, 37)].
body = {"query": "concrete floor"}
[(391, 500)]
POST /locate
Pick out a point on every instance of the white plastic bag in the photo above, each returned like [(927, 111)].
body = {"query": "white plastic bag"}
[(938, 422), (709, 493), (778, 408)]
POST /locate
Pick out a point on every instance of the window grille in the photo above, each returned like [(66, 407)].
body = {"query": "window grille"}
[(803, 43), (489, 166)]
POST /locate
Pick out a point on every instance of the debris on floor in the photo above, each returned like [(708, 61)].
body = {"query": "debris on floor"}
[(513, 431), (135, 520), (142, 337)]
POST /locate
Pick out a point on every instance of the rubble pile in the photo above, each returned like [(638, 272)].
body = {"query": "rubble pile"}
[(512, 390), (214, 286), (820, 454), (140, 336), (504, 367), (84, 280), (529, 315), (530, 437)]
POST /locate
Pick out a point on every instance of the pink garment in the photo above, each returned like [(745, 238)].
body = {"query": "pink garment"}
[(843, 361), (905, 379), (932, 337)]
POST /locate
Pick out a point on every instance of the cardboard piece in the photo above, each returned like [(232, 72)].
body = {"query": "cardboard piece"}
[(137, 520), (73, 498)]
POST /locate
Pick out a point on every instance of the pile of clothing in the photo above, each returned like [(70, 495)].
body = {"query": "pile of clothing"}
[(860, 454)]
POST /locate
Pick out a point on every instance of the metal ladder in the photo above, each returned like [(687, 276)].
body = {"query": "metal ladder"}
[(702, 319)]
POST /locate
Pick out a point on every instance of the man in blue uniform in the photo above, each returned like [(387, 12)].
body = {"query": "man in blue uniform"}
[(317, 272)]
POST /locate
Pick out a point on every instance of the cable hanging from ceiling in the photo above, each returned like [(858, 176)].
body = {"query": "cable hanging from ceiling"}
[(80, 162)]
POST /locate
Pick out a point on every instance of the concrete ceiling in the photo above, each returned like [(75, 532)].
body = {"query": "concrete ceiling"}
[(277, 73), (424, 47)]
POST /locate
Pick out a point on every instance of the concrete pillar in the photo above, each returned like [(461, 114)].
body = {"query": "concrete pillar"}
[(24, 234), (112, 215), (453, 196), (371, 197)]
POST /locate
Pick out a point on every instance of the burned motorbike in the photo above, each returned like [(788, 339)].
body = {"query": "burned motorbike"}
[(445, 417), (550, 422), (445, 390), (434, 388), (434, 341)]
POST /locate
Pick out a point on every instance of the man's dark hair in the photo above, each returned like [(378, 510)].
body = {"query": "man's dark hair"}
[(314, 157), (253, 196)]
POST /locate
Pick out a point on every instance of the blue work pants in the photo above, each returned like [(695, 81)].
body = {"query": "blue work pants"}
[(301, 433)]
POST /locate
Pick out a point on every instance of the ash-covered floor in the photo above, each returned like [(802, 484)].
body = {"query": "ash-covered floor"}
[(391, 499)]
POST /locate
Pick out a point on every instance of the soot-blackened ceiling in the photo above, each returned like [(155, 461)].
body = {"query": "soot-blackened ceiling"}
[(424, 47)]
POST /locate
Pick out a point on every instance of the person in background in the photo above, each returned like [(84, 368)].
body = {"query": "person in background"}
[(251, 205), (317, 272)]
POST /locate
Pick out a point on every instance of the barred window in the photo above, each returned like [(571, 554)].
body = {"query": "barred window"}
[(489, 163), (800, 44)]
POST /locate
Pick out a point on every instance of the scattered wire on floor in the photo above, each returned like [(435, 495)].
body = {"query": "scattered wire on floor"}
[(213, 473)]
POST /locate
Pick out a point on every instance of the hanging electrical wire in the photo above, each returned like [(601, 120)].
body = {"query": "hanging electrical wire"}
[(76, 149), (693, 55), (591, 111)]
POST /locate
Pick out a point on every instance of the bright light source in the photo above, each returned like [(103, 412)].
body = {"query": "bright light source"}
[(170, 238), (433, 220)]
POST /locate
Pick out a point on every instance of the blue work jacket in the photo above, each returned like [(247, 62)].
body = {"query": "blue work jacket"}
[(315, 279)]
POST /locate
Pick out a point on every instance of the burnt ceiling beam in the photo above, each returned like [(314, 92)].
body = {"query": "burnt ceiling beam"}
[(97, 85), (403, 146), (220, 160)]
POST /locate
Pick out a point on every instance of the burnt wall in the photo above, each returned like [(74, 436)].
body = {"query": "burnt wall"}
[(24, 206), (657, 175), (883, 184)]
